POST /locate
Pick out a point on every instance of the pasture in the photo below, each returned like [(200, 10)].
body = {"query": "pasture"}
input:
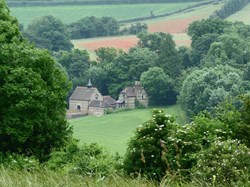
[(69, 14), (114, 130), (243, 15)]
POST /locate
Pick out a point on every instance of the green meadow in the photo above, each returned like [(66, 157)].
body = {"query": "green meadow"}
[(243, 15), (69, 14), (113, 131)]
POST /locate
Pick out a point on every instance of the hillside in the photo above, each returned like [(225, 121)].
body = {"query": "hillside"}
[(113, 131), (243, 15), (69, 14), (175, 24)]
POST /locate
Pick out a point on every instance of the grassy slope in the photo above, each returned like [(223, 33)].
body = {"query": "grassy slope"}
[(69, 14), (113, 131), (243, 15)]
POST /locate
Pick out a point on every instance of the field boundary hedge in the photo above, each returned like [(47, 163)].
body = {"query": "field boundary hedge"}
[(230, 7), (170, 13), (89, 2)]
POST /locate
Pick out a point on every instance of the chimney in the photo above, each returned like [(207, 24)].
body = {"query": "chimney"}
[(137, 83)]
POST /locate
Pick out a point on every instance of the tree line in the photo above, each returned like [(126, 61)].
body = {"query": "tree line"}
[(50, 33), (230, 7)]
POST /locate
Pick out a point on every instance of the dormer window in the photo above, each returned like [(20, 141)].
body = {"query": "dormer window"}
[(96, 96)]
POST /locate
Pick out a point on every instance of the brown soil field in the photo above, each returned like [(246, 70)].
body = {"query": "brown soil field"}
[(124, 43), (171, 26)]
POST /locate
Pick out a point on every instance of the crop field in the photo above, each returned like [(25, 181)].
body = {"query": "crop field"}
[(69, 14), (178, 23), (243, 15), (175, 24), (121, 42), (114, 130)]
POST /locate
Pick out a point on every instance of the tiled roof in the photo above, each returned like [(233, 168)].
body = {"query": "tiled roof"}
[(131, 91), (82, 93), (99, 104), (108, 99)]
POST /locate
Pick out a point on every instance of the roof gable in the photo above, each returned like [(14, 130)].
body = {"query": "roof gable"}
[(82, 93), (131, 91), (99, 104), (109, 100)]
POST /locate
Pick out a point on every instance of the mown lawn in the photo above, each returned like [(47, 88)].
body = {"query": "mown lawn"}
[(69, 14), (114, 130)]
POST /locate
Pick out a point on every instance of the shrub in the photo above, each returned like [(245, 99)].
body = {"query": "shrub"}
[(224, 162), (146, 154), (88, 160), (15, 161)]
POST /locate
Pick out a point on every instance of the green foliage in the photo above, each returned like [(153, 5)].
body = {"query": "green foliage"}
[(20, 162), (168, 59), (145, 154), (230, 7), (108, 54), (229, 49), (50, 33), (32, 99), (207, 87), (158, 85), (203, 33), (88, 160), (124, 68), (135, 29), (224, 162), (92, 27), (76, 63)]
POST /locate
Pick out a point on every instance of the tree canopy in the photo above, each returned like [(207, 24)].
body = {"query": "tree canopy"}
[(50, 33), (32, 99)]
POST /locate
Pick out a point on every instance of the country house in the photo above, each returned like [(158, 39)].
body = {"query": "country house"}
[(89, 101), (130, 95)]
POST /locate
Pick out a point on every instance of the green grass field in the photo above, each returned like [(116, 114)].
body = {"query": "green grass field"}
[(243, 15), (114, 130), (69, 14)]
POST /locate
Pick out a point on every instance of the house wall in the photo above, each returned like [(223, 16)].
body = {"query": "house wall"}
[(142, 97), (83, 106), (130, 102), (96, 111), (93, 96)]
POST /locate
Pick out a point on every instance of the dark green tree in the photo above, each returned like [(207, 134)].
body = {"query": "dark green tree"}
[(158, 85), (76, 62), (163, 45), (205, 88), (32, 99), (51, 30)]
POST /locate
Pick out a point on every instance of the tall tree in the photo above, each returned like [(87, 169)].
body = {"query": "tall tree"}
[(32, 99), (52, 30), (158, 85)]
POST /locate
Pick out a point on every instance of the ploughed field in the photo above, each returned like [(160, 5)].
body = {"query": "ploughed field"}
[(113, 131)]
